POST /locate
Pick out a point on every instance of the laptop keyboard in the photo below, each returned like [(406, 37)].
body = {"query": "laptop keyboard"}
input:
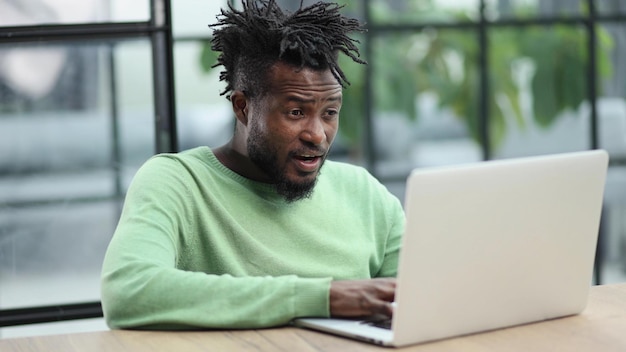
[(384, 323)]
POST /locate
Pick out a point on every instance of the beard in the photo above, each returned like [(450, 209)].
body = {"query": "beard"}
[(265, 156)]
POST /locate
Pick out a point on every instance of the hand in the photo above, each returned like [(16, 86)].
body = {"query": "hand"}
[(353, 298)]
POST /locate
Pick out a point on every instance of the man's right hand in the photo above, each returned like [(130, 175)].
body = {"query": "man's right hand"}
[(353, 298)]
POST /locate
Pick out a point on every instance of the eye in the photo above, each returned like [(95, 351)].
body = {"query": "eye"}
[(331, 114), (296, 112)]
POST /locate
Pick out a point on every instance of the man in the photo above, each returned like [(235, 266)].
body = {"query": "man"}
[(263, 229)]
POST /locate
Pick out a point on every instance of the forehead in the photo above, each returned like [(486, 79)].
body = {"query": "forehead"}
[(286, 79)]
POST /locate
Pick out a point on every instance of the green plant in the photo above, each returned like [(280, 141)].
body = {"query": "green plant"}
[(446, 62)]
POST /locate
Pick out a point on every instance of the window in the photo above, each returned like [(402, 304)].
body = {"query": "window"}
[(77, 117)]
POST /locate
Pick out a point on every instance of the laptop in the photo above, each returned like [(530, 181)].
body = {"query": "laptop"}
[(491, 245)]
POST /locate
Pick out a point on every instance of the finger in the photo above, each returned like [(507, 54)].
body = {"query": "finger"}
[(387, 291), (382, 308)]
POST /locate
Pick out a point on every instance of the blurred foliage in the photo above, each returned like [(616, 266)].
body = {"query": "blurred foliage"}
[(208, 57), (352, 115), (446, 62)]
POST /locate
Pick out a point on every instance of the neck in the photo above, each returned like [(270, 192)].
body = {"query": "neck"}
[(239, 162)]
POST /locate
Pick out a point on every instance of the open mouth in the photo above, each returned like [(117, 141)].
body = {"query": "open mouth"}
[(308, 162), (307, 157)]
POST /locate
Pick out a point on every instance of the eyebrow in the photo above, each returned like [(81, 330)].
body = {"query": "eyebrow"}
[(297, 99)]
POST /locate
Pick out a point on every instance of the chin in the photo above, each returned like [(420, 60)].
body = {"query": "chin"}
[(298, 189), (304, 178)]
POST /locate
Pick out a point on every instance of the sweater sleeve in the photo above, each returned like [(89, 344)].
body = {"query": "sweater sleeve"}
[(397, 219), (143, 288)]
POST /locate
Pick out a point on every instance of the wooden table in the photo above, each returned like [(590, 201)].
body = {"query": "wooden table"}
[(601, 327)]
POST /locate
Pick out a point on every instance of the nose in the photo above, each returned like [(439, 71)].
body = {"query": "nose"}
[(314, 131)]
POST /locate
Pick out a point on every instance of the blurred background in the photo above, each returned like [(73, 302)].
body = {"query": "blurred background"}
[(89, 89)]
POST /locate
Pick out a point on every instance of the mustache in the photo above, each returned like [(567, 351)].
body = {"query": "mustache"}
[(317, 151)]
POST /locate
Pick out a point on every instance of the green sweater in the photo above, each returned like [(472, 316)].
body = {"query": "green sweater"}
[(199, 246)]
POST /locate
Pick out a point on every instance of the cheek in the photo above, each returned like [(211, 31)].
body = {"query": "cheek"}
[(331, 131), (281, 136), (281, 132)]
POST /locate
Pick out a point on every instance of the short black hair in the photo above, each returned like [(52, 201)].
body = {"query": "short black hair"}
[(255, 38)]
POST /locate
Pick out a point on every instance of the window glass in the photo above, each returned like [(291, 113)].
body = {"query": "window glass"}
[(611, 111), (204, 116), (350, 141), (193, 17), (423, 11), (538, 88), (35, 12), (521, 9), (67, 154), (611, 105), (127, 11), (611, 7), (425, 101)]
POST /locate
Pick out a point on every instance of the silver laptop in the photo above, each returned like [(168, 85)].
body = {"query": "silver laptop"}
[(491, 245)]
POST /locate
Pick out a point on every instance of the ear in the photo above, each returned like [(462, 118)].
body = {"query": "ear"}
[(240, 104)]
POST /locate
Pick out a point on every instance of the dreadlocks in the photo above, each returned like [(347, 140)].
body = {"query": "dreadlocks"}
[(252, 40)]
